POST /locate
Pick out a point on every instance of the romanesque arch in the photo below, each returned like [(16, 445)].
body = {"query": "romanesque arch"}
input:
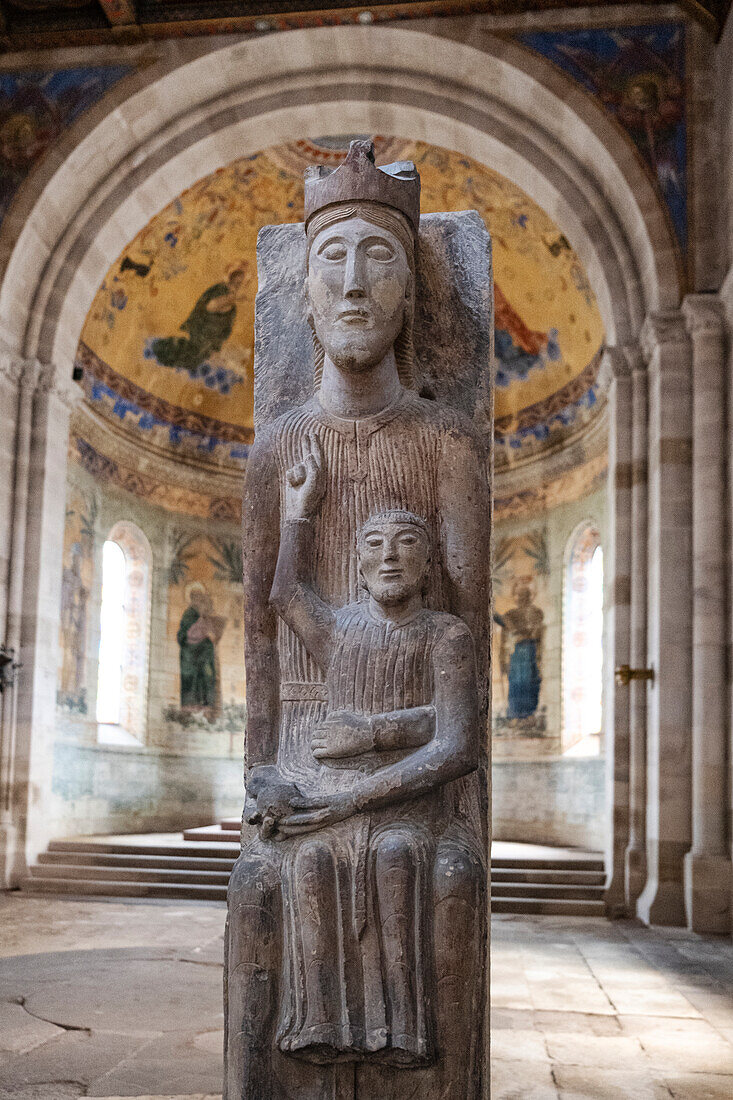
[(180, 120)]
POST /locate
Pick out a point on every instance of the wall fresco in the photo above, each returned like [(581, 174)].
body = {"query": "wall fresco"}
[(638, 75), (205, 612), (76, 588), (167, 346), (521, 571), (35, 108)]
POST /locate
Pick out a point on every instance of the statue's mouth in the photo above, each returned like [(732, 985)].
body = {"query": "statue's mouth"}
[(354, 316)]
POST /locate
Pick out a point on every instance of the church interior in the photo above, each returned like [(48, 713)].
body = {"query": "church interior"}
[(143, 146)]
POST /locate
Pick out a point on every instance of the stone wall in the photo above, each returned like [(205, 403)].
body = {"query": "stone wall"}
[(554, 801), (121, 789), (185, 766), (538, 794)]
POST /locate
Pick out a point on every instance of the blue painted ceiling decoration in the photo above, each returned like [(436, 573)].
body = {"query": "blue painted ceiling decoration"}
[(638, 75), (35, 108)]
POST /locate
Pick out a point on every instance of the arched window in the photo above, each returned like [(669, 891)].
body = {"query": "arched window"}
[(122, 684), (582, 644)]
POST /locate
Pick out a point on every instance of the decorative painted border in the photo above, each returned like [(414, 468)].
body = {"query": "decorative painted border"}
[(163, 411)]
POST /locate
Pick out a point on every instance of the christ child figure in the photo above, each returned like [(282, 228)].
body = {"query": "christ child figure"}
[(402, 724)]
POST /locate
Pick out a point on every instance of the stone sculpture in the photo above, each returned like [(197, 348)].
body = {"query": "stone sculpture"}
[(357, 932)]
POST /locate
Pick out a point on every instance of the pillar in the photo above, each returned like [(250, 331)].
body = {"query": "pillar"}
[(617, 564), (34, 602), (666, 347), (707, 864), (635, 869), (16, 415)]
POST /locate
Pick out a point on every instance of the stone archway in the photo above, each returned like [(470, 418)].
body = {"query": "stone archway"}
[(189, 119)]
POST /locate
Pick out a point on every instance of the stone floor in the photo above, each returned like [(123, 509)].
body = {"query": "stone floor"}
[(113, 999)]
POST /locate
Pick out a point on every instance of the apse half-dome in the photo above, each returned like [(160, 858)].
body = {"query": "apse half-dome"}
[(167, 346)]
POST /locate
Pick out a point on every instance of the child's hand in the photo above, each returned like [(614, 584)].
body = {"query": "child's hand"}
[(342, 734), (305, 483)]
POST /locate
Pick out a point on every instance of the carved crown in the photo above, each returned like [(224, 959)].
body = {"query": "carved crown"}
[(358, 179)]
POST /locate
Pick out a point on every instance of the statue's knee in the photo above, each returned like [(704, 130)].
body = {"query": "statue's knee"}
[(254, 920), (395, 855), (253, 881), (459, 875), (314, 857)]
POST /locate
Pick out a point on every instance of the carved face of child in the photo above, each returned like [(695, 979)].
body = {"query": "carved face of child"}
[(358, 279), (393, 560)]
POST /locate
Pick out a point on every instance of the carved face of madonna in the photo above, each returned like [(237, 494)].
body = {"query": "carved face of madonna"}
[(358, 276), (393, 559)]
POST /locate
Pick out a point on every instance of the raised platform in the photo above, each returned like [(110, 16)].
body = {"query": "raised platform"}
[(525, 878)]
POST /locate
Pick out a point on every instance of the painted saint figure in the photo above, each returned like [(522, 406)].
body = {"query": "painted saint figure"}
[(520, 654), (207, 327), (74, 599), (308, 1019), (198, 634)]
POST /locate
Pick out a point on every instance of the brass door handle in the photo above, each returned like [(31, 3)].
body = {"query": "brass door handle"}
[(625, 674)]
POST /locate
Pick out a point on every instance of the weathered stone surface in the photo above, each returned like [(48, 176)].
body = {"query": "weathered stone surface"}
[(357, 944)]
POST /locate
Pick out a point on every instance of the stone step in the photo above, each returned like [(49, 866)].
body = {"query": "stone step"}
[(215, 833), (134, 873), (548, 907), (173, 849), (135, 889), (173, 867), (519, 873), (231, 824), (124, 859), (221, 857), (541, 890), (113, 888), (576, 863)]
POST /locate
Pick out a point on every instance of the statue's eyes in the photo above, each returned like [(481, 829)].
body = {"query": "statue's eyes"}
[(381, 252), (408, 540), (333, 251), (374, 541)]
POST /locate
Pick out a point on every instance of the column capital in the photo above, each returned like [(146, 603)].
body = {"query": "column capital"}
[(11, 363), (620, 361), (50, 381), (664, 326), (704, 314), (614, 365)]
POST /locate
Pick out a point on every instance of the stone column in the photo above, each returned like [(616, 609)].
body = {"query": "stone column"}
[(617, 563), (35, 610), (15, 501), (707, 865), (636, 849), (11, 370), (667, 349)]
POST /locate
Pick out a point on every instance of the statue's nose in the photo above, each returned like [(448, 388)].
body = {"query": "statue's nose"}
[(354, 275)]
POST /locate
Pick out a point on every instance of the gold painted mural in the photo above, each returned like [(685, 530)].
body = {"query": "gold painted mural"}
[(168, 344)]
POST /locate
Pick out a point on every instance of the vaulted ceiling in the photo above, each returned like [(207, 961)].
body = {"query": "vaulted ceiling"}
[(29, 24)]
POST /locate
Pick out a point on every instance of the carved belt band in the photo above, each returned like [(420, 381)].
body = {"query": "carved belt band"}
[(299, 692)]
